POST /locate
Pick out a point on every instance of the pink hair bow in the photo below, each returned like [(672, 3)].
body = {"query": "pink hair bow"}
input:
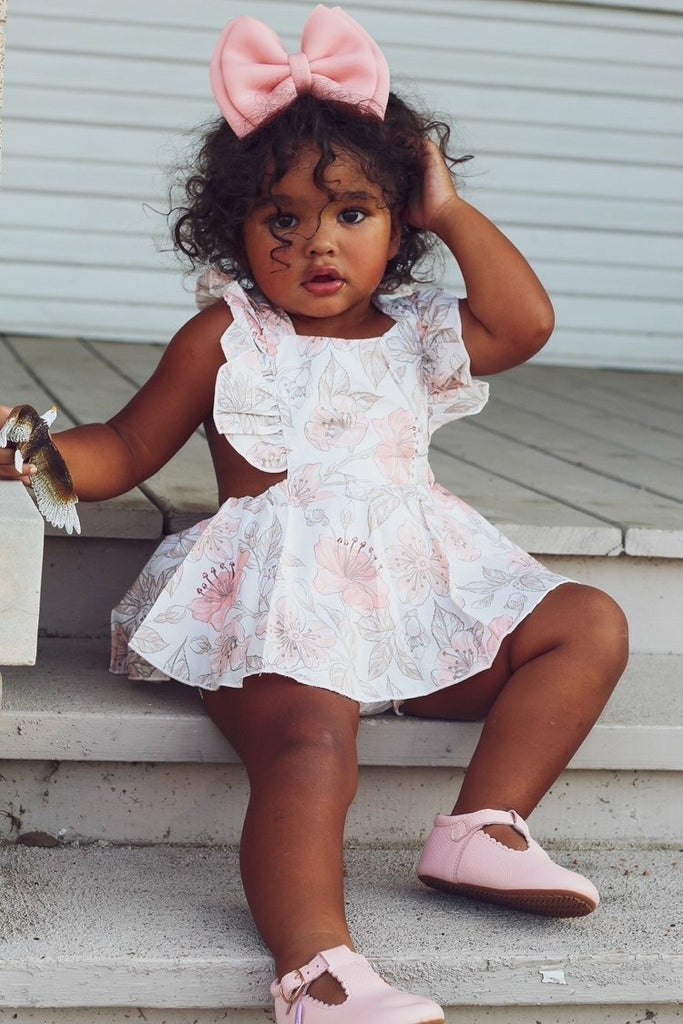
[(253, 76)]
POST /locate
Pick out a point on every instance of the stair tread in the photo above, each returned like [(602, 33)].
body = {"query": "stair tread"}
[(169, 926), (70, 707)]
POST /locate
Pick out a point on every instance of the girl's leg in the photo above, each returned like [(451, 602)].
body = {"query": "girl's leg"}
[(546, 688), (298, 745)]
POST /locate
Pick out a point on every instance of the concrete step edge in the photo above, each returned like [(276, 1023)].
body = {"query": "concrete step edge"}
[(69, 707), (168, 927)]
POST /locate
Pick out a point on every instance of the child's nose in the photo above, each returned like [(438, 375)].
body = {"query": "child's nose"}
[(322, 241)]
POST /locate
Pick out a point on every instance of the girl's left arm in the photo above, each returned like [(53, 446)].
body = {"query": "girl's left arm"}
[(507, 315)]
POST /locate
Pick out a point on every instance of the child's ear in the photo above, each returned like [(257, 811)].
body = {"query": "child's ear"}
[(395, 236)]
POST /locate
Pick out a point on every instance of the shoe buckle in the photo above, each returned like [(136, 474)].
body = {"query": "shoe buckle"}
[(296, 994)]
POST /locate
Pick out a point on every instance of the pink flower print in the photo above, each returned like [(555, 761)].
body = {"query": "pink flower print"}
[(419, 566), (215, 541), (229, 652), (458, 661), (219, 592), (303, 486), (297, 638), (348, 568), (336, 425), (399, 436), (499, 628)]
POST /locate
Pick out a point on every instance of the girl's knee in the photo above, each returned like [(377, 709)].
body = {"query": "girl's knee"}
[(601, 625), (318, 749)]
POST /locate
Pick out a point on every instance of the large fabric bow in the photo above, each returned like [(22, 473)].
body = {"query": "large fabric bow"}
[(253, 76)]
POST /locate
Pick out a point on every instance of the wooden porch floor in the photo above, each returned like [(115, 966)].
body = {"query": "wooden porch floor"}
[(565, 461)]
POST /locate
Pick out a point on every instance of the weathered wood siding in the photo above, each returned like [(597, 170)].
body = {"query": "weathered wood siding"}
[(573, 112)]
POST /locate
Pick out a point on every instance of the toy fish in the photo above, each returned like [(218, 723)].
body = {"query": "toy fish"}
[(27, 432)]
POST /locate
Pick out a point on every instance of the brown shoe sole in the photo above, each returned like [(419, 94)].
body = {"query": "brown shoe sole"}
[(549, 902)]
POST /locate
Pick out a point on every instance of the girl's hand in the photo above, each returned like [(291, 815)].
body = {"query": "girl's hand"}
[(7, 470), (436, 194)]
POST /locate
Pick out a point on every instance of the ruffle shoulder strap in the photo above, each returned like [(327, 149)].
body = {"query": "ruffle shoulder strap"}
[(246, 409), (451, 391)]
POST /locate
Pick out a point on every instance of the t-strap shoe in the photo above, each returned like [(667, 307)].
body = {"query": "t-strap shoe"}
[(369, 999), (460, 857)]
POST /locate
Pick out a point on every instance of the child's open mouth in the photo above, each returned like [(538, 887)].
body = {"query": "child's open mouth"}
[(325, 281)]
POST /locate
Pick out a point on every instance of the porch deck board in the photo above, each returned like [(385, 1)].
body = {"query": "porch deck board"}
[(564, 460)]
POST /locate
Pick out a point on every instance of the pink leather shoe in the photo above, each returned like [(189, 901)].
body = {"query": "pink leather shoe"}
[(370, 1000), (459, 857)]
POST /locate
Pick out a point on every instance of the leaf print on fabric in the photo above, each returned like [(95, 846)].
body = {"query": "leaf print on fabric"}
[(381, 507), (135, 604), (445, 625), (219, 592), (267, 549), (177, 665), (377, 626), (334, 382), (119, 648), (532, 581), (374, 363), (349, 568), (148, 641), (418, 565), (380, 659), (175, 613), (398, 449)]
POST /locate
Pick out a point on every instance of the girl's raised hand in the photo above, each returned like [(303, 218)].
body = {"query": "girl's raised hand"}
[(7, 470), (435, 194)]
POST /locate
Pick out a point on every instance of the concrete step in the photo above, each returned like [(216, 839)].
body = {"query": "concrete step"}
[(168, 927), (89, 756), (653, 1013)]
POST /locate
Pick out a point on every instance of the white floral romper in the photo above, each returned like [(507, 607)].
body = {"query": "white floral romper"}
[(357, 573)]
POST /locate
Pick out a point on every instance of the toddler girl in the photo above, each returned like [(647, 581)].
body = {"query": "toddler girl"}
[(337, 578)]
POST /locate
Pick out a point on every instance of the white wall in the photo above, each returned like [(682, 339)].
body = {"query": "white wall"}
[(573, 112)]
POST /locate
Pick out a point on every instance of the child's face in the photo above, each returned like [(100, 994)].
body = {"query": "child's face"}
[(339, 247)]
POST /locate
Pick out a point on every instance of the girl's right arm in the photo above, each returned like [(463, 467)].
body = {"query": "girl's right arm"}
[(106, 459)]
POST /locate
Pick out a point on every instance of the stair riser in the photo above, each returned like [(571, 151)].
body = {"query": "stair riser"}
[(84, 578), (623, 1014), (195, 803)]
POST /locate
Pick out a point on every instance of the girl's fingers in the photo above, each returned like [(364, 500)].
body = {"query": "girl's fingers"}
[(7, 470)]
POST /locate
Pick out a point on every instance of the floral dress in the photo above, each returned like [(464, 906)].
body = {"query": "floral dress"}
[(357, 573)]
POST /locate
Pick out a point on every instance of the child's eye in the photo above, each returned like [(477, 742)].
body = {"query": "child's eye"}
[(283, 222), (352, 216)]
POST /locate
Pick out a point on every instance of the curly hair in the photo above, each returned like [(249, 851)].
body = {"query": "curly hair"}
[(225, 180)]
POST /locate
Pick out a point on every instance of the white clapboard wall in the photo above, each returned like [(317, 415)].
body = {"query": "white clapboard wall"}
[(572, 110)]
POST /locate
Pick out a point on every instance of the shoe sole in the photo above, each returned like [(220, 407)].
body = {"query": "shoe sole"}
[(549, 902)]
